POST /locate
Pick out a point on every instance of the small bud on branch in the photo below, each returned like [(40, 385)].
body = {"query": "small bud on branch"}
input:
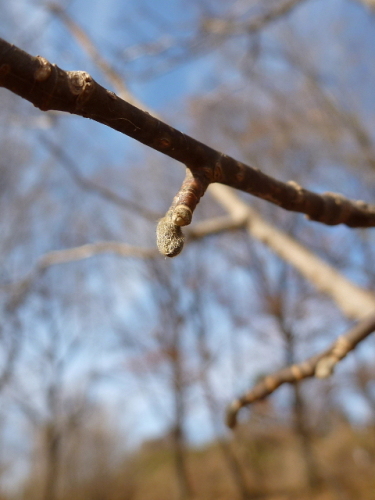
[(169, 237)]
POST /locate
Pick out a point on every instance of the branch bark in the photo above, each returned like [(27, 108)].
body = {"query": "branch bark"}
[(354, 301), (50, 88)]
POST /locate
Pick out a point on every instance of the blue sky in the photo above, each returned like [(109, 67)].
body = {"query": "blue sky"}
[(105, 155)]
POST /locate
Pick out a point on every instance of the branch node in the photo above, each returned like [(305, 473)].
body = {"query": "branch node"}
[(325, 367), (165, 142), (81, 84), (112, 95), (182, 215), (341, 348), (298, 189), (44, 71), (296, 372)]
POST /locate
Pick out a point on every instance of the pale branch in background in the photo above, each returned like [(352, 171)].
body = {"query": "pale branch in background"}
[(321, 366), (19, 289), (355, 302), (79, 91), (112, 75), (50, 88), (218, 26), (89, 185)]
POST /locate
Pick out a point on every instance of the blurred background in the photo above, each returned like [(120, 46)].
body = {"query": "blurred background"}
[(115, 371)]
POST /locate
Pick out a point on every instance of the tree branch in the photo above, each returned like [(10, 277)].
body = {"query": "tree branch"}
[(85, 41), (354, 301), (19, 290), (321, 365), (227, 27), (50, 88), (89, 185)]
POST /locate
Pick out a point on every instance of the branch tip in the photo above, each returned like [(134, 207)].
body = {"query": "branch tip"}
[(182, 215), (169, 237)]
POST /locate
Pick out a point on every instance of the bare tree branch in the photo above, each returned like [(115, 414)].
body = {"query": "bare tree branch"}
[(19, 289), (228, 27), (112, 75), (89, 185), (49, 87), (320, 365), (354, 301), (368, 3)]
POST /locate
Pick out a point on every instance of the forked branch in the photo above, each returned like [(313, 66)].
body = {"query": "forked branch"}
[(321, 366), (50, 88)]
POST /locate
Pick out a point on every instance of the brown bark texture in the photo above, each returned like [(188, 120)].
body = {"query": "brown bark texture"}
[(49, 87)]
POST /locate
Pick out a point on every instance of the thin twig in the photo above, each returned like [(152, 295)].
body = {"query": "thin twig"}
[(227, 27), (321, 365), (85, 41), (169, 237), (89, 185), (19, 289)]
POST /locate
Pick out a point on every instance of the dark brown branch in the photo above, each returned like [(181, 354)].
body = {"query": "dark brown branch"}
[(50, 88), (320, 365)]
